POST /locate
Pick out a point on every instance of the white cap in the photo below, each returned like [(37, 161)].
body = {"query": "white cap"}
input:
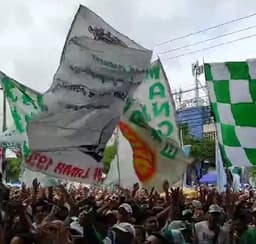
[(77, 227), (215, 208), (125, 227), (177, 225), (197, 204), (127, 207)]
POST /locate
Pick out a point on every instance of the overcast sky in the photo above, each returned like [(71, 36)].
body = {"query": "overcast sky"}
[(32, 33)]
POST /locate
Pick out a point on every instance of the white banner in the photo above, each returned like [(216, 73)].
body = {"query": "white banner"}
[(158, 104), (69, 165), (99, 69), (10, 139), (154, 95), (123, 173), (156, 158)]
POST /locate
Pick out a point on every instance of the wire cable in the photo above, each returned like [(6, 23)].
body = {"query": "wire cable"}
[(206, 29), (210, 39), (211, 47), (186, 91)]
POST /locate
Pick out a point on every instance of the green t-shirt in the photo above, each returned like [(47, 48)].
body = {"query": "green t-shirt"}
[(248, 237)]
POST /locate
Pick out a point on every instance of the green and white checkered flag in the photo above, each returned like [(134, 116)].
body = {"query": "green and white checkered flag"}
[(232, 90)]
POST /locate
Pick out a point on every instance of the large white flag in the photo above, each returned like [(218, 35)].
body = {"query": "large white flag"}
[(99, 69), (156, 157), (159, 158), (155, 95)]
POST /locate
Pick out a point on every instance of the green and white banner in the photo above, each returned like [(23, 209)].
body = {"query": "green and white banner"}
[(24, 104), (232, 90), (10, 139), (158, 104), (155, 157), (150, 166)]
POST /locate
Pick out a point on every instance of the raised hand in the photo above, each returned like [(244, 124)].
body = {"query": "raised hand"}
[(166, 186)]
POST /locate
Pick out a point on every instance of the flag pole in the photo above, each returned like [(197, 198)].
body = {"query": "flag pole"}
[(182, 145), (117, 156), (3, 129), (4, 111)]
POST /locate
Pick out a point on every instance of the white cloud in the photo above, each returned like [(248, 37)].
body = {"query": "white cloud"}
[(33, 32)]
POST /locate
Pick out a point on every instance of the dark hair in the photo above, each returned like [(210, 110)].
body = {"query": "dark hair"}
[(142, 229), (242, 214), (62, 213), (149, 215), (161, 238)]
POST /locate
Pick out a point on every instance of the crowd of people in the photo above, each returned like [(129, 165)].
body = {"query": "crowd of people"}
[(62, 215)]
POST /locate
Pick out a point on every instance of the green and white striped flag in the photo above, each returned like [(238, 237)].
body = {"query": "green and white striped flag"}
[(232, 90)]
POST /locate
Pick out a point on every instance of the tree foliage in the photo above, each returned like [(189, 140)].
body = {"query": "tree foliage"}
[(109, 154), (203, 149), (13, 169)]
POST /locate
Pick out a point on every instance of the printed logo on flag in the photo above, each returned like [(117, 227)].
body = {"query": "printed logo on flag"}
[(144, 157)]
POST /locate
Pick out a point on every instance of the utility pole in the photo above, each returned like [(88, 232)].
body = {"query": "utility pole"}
[(196, 71)]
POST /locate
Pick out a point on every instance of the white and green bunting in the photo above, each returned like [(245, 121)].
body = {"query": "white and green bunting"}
[(232, 90), (24, 103)]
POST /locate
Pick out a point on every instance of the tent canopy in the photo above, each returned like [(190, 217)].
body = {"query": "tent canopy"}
[(210, 178)]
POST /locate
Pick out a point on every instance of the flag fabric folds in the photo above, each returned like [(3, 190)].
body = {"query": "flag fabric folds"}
[(221, 174), (121, 169), (232, 90), (155, 96), (24, 104), (156, 158), (149, 124), (99, 69), (11, 139)]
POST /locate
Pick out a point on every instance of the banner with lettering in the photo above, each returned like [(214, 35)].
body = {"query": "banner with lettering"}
[(24, 104), (158, 104), (99, 69), (11, 139), (156, 158), (68, 165)]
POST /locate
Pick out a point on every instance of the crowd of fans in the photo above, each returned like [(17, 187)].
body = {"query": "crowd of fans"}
[(62, 215)]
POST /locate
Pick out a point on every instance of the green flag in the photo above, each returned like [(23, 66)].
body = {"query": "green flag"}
[(24, 104), (232, 90)]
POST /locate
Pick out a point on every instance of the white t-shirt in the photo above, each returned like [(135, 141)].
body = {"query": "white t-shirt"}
[(206, 236)]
